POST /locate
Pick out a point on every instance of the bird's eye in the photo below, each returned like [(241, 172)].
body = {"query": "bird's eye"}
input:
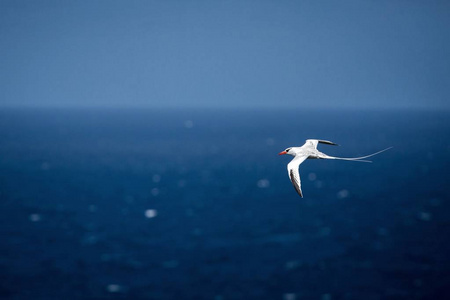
[(287, 150)]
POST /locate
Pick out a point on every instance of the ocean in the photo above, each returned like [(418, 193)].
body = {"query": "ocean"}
[(196, 204)]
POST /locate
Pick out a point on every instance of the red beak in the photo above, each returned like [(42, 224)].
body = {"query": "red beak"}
[(282, 152)]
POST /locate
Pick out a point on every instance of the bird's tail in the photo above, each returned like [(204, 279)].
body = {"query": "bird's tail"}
[(361, 159)]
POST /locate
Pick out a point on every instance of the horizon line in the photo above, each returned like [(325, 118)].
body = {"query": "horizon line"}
[(227, 107)]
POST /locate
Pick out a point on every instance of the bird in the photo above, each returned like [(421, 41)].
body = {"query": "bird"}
[(309, 151)]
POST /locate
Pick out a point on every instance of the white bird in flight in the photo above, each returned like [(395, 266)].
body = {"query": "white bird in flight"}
[(309, 150)]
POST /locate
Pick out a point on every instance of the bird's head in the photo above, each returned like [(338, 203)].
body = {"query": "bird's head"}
[(287, 151)]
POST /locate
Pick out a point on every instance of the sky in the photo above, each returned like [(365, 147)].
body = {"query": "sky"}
[(281, 53)]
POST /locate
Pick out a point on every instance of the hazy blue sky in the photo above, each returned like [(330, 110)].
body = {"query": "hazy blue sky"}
[(225, 53)]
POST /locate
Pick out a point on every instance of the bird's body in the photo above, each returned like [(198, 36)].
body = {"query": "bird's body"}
[(309, 151)]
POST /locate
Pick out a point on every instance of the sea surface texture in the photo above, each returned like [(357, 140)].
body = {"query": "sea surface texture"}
[(196, 204)]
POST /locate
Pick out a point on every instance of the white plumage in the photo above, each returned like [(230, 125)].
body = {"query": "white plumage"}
[(309, 151)]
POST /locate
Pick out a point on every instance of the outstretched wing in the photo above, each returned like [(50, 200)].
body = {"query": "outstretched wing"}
[(294, 175), (315, 142)]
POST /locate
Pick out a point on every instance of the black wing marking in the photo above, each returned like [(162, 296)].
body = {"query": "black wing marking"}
[(315, 142), (328, 143), (295, 182)]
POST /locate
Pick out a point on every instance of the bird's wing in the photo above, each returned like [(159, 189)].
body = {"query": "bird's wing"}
[(322, 155), (294, 175), (315, 142)]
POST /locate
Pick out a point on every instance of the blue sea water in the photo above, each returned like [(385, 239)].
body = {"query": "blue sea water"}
[(196, 204)]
